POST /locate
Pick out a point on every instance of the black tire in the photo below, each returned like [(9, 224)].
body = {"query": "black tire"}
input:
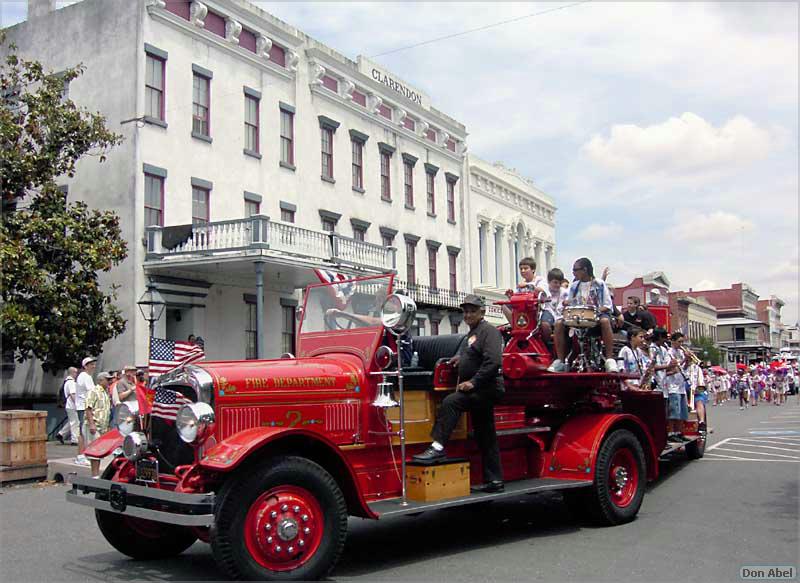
[(598, 500), (228, 536), (696, 449), (142, 539)]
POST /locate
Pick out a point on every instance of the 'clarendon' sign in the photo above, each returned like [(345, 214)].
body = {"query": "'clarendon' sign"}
[(381, 76)]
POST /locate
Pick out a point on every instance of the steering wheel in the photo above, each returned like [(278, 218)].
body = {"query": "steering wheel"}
[(332, 322)]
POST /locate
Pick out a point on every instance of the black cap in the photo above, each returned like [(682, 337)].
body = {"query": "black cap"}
[(473, 300)]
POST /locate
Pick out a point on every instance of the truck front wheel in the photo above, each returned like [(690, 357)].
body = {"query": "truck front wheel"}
[(620, 477), (139, 538), (286, 521)]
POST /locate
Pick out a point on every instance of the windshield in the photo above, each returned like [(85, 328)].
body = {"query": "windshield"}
[(345, 305)]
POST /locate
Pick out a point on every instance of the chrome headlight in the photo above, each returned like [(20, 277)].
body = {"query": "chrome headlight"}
[(397, 313), (134, 446), (195, 422), (126, 415)]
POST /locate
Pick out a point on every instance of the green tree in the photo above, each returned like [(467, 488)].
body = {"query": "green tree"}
[(51, 251), (705, 348)]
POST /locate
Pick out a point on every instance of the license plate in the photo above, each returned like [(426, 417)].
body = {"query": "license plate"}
[(147, 471)]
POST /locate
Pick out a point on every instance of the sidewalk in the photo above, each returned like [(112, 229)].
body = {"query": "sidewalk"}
[(61, 462)]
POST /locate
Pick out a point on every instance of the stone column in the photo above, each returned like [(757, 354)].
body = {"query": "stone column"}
[(548, 257), (497, 255)]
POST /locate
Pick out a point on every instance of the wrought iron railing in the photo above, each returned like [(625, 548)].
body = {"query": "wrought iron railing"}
[(258, 232), (444, 298)]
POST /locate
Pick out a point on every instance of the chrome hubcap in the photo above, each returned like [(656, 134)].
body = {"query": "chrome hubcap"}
[(621, 477), (288, 529)]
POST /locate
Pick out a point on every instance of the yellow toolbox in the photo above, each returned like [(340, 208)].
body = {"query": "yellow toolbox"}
[(439, 482)]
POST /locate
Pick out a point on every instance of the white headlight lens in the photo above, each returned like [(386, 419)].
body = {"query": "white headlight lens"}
[(134, 446), (398, 313), (126, 415), (194, 422)]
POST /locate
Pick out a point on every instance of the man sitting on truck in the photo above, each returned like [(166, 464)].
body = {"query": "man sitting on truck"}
[(480, 387)]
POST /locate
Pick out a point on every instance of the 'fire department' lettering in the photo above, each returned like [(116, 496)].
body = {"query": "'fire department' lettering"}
[(288, 382)]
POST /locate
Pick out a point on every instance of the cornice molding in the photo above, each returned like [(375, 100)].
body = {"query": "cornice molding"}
[(218, 41), (379, 119), (345, 72)]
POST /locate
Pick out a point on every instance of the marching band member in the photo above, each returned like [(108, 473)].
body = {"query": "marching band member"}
[(634, 359), (677, 407), (553, 305)]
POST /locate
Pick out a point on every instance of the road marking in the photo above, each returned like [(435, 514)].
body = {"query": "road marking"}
[(772, 441), (767, 446), (785, 422), (744, 459), (760, 453), (774, 431), (716, 445)]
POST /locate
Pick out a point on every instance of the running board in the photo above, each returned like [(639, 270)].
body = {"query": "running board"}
[(671, 448), (393, 507)]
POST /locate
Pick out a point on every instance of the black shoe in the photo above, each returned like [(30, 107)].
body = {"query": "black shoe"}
[(430, 456), (489, 487), (674, 438), (701, 427)]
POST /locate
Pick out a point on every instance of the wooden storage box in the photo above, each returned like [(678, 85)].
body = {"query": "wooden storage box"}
[(23, 438), (439, 482), (420, 415)]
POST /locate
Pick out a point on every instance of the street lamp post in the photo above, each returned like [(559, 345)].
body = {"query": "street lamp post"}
[(151, 305)]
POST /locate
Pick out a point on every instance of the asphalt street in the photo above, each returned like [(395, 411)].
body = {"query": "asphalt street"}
[(701, 521)]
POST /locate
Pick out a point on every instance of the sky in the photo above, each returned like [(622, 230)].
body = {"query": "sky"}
[(666, 133)]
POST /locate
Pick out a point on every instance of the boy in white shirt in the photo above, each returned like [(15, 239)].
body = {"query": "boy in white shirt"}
[(552, 306), (634, 359), (530, 282)]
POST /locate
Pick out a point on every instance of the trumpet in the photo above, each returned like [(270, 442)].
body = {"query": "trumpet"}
[(691, 356)]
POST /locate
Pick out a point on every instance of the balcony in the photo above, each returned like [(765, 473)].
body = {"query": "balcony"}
[(258, 238), (425, 295)]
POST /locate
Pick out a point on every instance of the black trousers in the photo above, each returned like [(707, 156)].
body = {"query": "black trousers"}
[(481, 406)]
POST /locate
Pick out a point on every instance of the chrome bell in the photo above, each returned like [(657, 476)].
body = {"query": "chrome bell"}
[(384, 398)]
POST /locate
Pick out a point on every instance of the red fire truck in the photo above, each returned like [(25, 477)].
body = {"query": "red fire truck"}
[(265, 460)]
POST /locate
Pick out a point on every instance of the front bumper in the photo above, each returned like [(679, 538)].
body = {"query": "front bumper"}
[(144, 502)]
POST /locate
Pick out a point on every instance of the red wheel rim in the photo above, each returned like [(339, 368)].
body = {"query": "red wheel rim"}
[(623, 478), (283, 528)]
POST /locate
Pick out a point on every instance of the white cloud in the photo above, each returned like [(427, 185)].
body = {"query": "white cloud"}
[(705, 284), (718, 226), (679, 146), (598, 232)]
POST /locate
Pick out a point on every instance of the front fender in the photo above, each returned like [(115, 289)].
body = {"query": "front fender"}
[(573, 454), (229, 454), (104, 445)]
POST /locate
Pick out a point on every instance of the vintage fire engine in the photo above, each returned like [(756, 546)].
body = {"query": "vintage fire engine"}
[(267, 459)]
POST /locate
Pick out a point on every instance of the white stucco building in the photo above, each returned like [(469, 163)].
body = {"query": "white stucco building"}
[(254, 155), (510, 218)]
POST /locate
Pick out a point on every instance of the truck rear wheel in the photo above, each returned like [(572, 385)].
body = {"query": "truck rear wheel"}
[(142, 539), (283, 522), (619, 482)]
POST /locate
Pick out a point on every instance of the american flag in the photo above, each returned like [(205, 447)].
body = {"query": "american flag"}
[(341, 291), (168, 354), (167, 403)]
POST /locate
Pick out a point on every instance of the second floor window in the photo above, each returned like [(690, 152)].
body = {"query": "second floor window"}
[(287, 216), (408, 179), (434, 327), (327, 153), (432, 267), (251, 208), (329, 225), (387, 240), (358, 164), (153, 200), (154, 87), (200, 198), (287, 137), (411, 269), (452, 263), (251, 124), (429, 181), (359, 233), (201, 109), (451, 201), (386, 184)]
